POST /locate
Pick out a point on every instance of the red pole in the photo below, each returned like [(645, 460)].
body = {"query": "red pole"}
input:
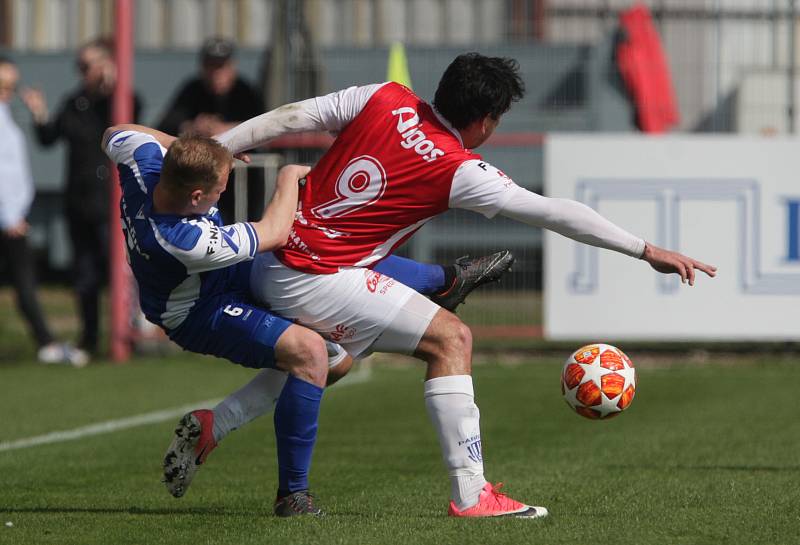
[(122, 113)]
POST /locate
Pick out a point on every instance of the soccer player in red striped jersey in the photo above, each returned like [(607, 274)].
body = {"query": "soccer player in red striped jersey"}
[(397, 163)]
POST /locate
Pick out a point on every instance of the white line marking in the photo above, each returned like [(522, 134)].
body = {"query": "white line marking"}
[(109, 426)]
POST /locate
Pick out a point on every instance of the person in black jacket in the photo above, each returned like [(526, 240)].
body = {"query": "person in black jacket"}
[(215, 100), (80, 121)]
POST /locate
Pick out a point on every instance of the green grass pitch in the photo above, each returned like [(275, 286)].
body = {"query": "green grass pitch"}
[(705, 455)]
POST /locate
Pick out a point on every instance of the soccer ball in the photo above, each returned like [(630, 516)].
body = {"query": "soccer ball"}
[(598, 381)]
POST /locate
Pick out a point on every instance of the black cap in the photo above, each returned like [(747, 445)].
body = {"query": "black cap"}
[(216, 51)]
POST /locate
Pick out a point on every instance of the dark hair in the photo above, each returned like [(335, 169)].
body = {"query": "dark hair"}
[(474, 86), (103, 43), (6, 60), (194, 162)]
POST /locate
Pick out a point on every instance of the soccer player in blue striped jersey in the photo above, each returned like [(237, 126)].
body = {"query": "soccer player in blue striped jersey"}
[(193, 275)]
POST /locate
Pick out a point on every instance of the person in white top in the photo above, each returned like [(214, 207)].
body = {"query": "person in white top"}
[(16, 196), (398, 162)]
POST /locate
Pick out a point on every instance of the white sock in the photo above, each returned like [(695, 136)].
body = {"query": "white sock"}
[(252, 400), (451, 407)]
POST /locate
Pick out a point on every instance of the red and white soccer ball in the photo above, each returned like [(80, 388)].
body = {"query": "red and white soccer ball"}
[(598, 381)]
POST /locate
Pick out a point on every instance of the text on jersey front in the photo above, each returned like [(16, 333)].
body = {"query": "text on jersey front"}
[(412, 135)]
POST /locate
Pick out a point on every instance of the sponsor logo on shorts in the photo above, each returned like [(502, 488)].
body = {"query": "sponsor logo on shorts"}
[(388, 283), (342, 333), (375, 280)]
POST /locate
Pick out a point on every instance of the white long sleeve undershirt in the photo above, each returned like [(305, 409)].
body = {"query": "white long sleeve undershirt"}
[(572, 219), (292, 118), (331, 112)]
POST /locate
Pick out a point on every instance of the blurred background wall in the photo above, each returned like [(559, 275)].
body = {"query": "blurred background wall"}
[(732, 64), (715, 47)]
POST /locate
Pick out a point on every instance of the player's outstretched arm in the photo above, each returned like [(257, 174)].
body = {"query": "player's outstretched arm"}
[(667, 261), (582, 223), (274, 226), (482, 188), (163, 138), (331, 112), (572, 219), (292, 118)]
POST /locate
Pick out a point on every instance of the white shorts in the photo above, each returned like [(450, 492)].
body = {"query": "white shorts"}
[(362, 310)]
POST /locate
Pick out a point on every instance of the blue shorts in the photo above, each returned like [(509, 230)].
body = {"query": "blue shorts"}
[(230, 327)]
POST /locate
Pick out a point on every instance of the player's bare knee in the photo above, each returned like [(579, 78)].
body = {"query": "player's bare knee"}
[(302, 353), (457, 341), (461, 338), (448, 342), (311, 361), (315, 366)]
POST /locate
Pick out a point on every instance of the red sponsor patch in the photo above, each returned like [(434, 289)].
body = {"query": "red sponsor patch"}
[(377, 282), (373, 279), (342, 332)]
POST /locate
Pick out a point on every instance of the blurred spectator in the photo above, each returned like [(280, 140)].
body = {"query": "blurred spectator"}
[(215, 100), (80, 122), (16, 195)]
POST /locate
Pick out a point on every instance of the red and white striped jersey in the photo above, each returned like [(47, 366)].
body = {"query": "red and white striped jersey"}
[(396, 164), (390, 170)]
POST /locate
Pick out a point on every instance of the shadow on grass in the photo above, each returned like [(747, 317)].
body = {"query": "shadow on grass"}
[(204, 511), (193, 511)]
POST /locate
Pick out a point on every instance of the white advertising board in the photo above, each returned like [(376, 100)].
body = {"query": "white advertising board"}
[(733, 202)]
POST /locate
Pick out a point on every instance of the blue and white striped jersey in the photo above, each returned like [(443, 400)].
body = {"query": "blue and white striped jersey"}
[(177, 261)]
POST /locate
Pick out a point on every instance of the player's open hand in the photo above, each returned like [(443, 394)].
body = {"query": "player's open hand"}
[(667, 261)]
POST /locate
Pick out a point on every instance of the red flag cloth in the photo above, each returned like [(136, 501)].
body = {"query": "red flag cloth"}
[(644, 70)]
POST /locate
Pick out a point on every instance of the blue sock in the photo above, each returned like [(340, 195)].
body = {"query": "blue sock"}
[(296, 417), (421, 277)]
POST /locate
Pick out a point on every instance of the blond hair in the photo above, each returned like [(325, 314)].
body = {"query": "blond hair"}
[(194, 162)]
